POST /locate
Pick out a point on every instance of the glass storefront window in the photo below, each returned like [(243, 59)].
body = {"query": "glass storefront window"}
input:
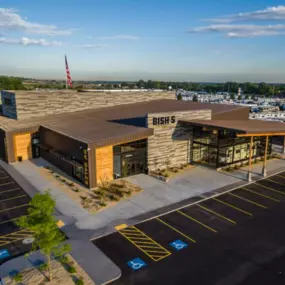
[(130, 158), (222, 149)]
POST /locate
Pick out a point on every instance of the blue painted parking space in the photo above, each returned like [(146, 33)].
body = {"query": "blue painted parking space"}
[(178, 244), (137, 263), (4, 253)]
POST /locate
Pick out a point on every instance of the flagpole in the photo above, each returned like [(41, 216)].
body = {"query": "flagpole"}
[(65, 74)]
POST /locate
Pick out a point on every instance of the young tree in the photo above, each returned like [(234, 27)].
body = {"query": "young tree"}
[(43, 225)]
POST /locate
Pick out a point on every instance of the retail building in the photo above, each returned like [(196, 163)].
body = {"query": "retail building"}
[(96, 137)]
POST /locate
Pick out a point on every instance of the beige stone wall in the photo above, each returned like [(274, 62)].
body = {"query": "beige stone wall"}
[(36, 104), (171, 142)]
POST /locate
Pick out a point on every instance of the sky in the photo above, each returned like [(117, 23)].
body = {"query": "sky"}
[(197, 40)]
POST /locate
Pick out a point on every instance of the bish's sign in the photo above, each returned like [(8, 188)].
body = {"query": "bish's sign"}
[(163, 121)]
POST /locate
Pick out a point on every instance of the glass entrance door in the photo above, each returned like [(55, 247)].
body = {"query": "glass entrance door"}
[(35, 147), (130, 159)]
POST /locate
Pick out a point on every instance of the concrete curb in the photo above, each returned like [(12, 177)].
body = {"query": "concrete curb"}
[(104, 271), (104, 231)]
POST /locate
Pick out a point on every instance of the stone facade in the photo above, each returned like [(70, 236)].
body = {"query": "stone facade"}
[(170, 145), (30, 104)]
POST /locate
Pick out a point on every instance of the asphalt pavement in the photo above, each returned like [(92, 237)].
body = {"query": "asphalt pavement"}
[(13, 204), (234, 238)]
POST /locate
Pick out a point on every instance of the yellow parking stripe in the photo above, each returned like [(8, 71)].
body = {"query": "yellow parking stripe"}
[(196, 221), (120, 227), (12, 237), (145, 243), (282, 184), (247, 200), (215, 213), (1, 223), (14, 233), (6, 191), (259, 194), (14, 208), (7, 183), (280, 176), (174, 229), (271, 189), (232, 206), (17, 197)]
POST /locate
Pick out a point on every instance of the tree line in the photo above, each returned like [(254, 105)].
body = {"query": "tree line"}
[(11, 83), (16, 83)]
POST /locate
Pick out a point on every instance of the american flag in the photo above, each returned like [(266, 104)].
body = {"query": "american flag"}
[(68, 77)]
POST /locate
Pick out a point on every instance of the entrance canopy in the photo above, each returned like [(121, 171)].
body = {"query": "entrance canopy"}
[(244, 128)]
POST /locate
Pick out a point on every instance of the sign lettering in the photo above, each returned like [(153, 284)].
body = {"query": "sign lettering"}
[(85, 167), (161, 121)]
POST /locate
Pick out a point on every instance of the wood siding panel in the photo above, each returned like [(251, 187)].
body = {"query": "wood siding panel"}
[(23, 146), (104, 164)]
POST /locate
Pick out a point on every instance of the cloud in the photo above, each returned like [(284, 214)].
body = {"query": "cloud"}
[(120, 37), (270, 13), (29, 42), (91, 46), (10, 20), (241, 31)]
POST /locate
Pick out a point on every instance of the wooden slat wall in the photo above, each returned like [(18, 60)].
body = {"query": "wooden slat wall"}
[(104, 164), (23, 146)]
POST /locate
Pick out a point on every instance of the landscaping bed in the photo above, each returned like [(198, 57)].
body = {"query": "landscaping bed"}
[(170, 172), (65, 272), (92, 200)]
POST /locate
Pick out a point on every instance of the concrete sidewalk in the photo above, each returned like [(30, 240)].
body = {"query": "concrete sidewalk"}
[(156, 194)]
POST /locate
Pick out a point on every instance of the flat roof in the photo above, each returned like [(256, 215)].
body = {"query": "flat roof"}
[(243, 126), (98, 125)]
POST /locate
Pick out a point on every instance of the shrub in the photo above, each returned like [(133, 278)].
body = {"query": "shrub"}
[(71, 184), (175, 170), (57, 176), (103, 204), (63, 259), (43, 267), (113, 197), (18, 277), (71, 269), (166, 174), (75, 190), (79, 281), (128, 193)]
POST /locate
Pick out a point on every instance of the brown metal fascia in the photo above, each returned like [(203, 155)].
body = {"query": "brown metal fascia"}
[(92, 166), (25, 130), (121, 140)]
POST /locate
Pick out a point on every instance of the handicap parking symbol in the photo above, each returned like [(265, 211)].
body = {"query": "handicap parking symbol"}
[(136, 264), (4, 253), (178, 244)]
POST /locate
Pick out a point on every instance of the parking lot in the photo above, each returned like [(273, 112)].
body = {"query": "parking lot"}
[(13, 204), (235, 238)]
